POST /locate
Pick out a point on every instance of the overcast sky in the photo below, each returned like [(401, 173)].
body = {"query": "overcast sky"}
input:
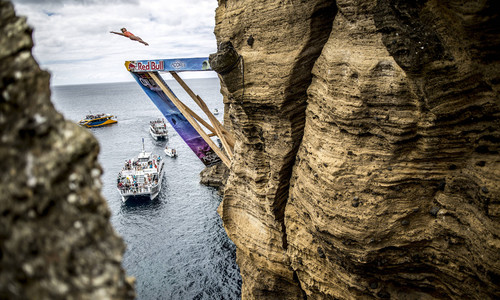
[(73, 40)]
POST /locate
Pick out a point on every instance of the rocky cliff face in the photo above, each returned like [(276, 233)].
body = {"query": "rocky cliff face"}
[(56, 241), (367, 157)]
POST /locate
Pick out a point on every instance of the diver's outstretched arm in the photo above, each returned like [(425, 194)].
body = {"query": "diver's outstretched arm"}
[(119, 33)]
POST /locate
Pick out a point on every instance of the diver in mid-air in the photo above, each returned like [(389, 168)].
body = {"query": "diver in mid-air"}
[(130, 35)]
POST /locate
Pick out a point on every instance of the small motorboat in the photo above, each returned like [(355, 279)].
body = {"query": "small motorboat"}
[(97, 120), (158, 129), (170, 152), (215, 111)]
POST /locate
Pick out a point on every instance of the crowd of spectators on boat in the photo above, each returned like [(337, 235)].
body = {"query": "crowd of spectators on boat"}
[(96, 116), (130, 182), (136, 165)]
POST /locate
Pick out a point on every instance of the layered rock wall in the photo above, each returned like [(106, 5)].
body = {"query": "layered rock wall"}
[(374, 174), (265, 102), (56, 241)]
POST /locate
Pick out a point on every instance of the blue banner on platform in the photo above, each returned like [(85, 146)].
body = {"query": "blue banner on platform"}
[(173, 64), (185, 130)]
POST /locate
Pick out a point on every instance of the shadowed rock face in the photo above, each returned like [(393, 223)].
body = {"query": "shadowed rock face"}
[(375, 174), (56, 241), (265, 96)]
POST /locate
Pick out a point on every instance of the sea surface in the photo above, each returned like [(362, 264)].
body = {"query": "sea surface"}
[(176, 245)]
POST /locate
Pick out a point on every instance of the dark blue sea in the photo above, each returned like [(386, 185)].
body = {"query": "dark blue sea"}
[(176, 245)]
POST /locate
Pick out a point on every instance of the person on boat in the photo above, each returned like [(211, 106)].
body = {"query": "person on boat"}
[(130, 35)]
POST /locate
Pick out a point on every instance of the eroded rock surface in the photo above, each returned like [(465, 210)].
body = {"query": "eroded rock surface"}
[(56, 241), (375, 174), (265, 99)]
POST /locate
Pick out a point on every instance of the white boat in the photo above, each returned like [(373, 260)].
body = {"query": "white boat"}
[(215, 111), (170, 152), (158, 129), (141, 176)]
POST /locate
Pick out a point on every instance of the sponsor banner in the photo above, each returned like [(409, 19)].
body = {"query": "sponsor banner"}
[(165, 65), (185, 130)]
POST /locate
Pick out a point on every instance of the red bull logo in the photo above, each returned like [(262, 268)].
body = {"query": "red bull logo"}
[(146, 66)]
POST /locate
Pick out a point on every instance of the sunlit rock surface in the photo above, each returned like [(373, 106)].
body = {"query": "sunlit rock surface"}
[(56, 241), (367, 158)]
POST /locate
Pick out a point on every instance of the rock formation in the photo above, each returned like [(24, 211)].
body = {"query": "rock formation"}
[(215, 176), (367, 155), (56, 241)]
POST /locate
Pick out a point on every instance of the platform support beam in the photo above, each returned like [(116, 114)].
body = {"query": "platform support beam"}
[(191, 116), (225, 137)]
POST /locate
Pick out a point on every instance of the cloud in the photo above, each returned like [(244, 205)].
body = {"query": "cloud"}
[(73, 40)]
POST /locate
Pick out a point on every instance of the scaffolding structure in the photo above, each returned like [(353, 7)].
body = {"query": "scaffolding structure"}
[(179, 115)]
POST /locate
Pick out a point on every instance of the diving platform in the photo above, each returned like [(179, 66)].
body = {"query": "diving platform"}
[(193, 129)]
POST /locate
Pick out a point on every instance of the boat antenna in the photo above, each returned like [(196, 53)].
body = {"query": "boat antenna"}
[(142, 144)]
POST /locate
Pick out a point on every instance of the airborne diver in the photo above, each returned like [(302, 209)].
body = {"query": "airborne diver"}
[(130, 35)]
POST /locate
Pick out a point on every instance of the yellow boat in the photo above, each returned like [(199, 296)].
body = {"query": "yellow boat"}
[(98, 120)]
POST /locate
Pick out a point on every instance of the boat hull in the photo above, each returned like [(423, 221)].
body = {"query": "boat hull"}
[(170, 153), (98, 122), (140, 194)]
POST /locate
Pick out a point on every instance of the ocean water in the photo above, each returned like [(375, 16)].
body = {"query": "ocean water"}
[(176, 245)]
